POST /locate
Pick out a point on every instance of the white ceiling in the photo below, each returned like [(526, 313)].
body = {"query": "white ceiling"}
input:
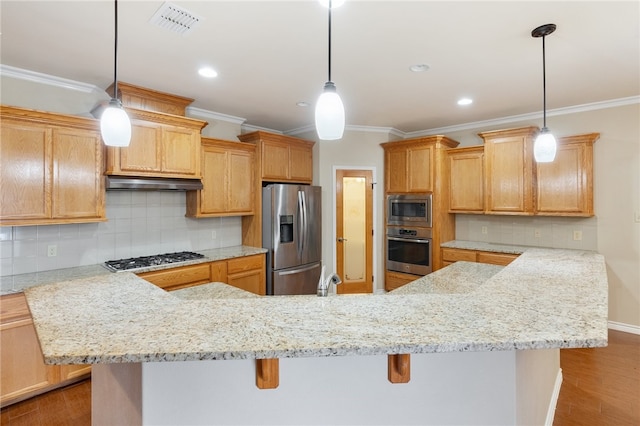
[(272, 54)]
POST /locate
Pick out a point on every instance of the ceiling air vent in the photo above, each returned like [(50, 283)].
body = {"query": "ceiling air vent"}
[(174, 18)]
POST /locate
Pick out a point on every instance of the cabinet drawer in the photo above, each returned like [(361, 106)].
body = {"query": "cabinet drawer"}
[(192, 274), (496, 258), (454, 255), (247, 263)]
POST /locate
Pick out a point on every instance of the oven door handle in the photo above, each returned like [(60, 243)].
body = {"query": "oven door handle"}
[(413, 240)]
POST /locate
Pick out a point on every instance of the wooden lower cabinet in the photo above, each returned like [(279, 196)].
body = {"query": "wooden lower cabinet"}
[(451, 255), (23, 371), (180, 277), (247, 273), (393, 280)]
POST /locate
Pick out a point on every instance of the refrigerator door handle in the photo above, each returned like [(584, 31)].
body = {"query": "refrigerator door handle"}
[(301, 224), (297, 271)]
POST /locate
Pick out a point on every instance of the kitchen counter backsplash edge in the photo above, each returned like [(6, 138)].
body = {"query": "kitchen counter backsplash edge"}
[(482, 246), (17, 283)]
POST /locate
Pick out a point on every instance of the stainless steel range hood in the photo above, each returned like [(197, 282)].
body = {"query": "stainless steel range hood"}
[(151, 184)]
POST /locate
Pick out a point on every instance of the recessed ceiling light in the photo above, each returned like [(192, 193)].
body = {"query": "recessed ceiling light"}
[(302, 104), (419, 67), (207, 72), (334, 3), (465, 101)]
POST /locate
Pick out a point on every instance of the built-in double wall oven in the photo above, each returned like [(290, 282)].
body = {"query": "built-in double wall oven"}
[(409, 233)]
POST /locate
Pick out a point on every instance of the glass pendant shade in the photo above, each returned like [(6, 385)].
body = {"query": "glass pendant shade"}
[(329, 114), (115, 126), (544, 147)]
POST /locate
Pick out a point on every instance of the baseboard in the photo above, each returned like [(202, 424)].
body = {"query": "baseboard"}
[(551, 412), (627, 328)]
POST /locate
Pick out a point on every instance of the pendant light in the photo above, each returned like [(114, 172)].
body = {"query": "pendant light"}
[(544, 147), (329, 108), (115, 126)]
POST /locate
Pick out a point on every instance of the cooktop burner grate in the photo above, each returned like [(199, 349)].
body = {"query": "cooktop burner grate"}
[(134, 263)]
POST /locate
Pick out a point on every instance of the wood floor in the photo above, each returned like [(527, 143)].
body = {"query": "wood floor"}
[(601, 387)]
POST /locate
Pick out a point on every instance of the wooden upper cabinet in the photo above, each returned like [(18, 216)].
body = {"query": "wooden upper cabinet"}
[(565, 186), (408, 168), (466, 179), (509, 171), (228, 170), (50, 169), (282, 158), (162, 145)]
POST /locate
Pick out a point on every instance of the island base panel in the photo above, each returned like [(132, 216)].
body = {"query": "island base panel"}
[(493, 387)]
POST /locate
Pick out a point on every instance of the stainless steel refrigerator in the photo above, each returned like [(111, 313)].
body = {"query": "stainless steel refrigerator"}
[(292, 231)]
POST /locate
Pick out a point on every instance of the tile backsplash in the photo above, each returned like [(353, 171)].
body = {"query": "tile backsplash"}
[(139, 223), (555, 232)]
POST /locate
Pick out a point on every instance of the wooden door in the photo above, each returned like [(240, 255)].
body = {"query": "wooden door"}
[(180, 152), (466, 180), (419, 169), (275, 161), (396, 171), (565, 186), (354, 230), (25, 171), (78, 188), (214, 180), (143, 154), (240, 192), (301, 163)]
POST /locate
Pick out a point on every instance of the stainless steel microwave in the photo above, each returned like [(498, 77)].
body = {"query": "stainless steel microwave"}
[(409, 210)]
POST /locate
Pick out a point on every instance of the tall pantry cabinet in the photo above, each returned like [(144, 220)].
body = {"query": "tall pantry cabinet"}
[(420, 166)]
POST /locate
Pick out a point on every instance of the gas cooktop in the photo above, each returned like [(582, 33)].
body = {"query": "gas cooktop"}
[(135, 263)]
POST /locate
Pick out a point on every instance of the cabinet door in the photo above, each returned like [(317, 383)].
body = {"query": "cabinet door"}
[(25, 171), (143, 154), (466, 169), (509, 163), (565, 186), (248, 273), (213, 196), (393, 280), (219, 271), (240, 188), (396, 170), (275, 161), (496, 258), (78, 189), (300, 163), (419, 169), (72, 372), (454, 255), (180, 152)]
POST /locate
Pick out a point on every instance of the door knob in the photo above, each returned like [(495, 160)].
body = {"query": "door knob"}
[(340, 239)]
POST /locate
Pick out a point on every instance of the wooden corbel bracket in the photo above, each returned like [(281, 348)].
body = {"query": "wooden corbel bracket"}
[(267, 373), (399, 368)]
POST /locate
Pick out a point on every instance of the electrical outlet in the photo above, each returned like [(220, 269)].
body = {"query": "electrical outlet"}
[(52, 250), (577, 235), (485, 231), (536, 233), (637, 216), (213, 235)]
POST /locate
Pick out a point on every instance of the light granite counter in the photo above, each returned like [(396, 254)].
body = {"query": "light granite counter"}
[(547, 298), (17, 283), (482, 246)]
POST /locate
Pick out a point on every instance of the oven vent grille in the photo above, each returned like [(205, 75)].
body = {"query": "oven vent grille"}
[(174, 18)]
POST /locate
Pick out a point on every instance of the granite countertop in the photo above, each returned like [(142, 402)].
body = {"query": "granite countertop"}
[(17, 283), (547, 298), (482, 246)]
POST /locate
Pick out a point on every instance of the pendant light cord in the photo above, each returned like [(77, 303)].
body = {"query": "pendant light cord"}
[(329, 41), (115, 55), (544, 87)]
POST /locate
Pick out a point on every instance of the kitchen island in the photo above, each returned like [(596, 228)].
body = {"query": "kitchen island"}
[(484, 348)]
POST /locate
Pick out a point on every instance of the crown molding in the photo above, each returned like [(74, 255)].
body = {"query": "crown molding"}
[(36, 77), (594, 106), (211, 115), (248, 128)]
